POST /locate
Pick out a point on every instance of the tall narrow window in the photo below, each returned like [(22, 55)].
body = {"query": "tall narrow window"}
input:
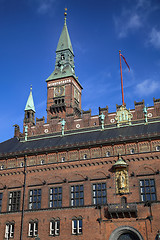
[(77, 195), (55, 227), (99, 193), (147, 190), (77, 226), (35, 199), (55, 197), (9, 230), (14, 201), (33, 229), (1, 195)]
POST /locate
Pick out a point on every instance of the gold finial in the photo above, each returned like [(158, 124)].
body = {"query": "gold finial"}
[(65, 13)]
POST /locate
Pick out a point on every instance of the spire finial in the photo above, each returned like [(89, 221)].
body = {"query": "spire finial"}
[(65, 15)]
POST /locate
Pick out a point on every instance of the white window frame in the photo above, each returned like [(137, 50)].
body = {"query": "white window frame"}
[(76, 230), (9, 230), (55, 227), (33, 229)]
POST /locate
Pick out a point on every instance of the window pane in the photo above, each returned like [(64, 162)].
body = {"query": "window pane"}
[(56, 197), (148, 197), (153, 189), (153, 197), (77, 195), (152, 182), (147, 190), (99, 193), (14, 201), (35, 199), (143, 198), (141, 183), (147, 182)]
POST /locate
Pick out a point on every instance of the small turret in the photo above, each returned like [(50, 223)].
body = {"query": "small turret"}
[(29, 116)]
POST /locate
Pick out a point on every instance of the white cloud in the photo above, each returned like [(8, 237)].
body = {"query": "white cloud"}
[(128, 21), (134, 22), (154, 38), (134, 17), (146, 87), (43, 6)]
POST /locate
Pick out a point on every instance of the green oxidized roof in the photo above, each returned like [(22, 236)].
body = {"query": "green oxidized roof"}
[(120, 163), (64, 67), (64, 40), (30, 102)]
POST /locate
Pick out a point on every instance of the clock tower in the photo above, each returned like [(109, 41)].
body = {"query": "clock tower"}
[(63, 87)]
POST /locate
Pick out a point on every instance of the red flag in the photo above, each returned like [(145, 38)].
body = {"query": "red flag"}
[(125, 61)]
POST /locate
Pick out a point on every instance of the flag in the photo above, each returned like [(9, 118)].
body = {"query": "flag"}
[(125, 61)]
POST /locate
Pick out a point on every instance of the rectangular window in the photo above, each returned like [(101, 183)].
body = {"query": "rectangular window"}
[(9, 230), (77, 226), (147, 190), (35, 199), (55, 227), (99, 193), (55, 197), (77, 195), (33, 229), (14, 201), (1, 195)]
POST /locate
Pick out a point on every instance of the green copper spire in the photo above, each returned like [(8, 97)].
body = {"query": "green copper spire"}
[(64, 66), (64, 40), (30, 102)]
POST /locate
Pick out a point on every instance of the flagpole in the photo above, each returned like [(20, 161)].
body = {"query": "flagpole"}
[(121, 78)]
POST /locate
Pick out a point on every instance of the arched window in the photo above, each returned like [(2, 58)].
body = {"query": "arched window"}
[(54, 227), (9, 230), (77, 226), (85, 156), (108, 154), (33, 228), (132, 151)]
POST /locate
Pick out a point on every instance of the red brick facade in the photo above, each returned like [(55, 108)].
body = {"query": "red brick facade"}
[(144, 164), (94, 181)]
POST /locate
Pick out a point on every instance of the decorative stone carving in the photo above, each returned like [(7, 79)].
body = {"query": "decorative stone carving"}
[(121, 176), (122, 185), (123, 116)]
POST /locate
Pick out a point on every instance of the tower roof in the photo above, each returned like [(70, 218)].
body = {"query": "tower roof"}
[(64, 65), (64, 40), (30, 102)]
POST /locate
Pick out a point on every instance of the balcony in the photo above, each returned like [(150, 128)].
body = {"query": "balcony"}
[(127, 210)]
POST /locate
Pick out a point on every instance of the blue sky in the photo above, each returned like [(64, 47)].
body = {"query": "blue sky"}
[(98, 29)]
